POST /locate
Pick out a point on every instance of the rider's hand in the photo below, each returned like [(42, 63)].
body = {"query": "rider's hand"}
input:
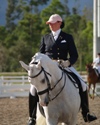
[(65, 64)]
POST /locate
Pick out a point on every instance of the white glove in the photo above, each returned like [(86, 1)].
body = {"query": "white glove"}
[(65, 64)]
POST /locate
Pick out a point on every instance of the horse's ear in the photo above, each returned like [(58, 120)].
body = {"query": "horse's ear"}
[(39, 64), (25, 66)]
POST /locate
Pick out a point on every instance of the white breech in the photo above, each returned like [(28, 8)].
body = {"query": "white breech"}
[(32, 90), (97, 67), (96, 71), (84, 85)]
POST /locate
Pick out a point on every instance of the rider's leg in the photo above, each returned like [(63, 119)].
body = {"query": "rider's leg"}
[(33, 99), (96, 71), (99, 71), (85, 108), (84, 100)]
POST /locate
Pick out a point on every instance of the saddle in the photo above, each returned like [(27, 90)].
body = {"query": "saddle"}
[(75, 80)]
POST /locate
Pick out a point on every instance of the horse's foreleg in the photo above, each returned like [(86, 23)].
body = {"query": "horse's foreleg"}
[(93, 90), (89, 90), (51, 122)]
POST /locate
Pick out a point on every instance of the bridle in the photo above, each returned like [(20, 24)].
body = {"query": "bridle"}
[(47, 79), (46, 74)]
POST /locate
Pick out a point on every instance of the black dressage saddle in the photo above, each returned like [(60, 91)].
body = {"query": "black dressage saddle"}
[(75, 80)]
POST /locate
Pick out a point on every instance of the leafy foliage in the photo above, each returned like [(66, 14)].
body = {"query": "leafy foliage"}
[(26, 23)]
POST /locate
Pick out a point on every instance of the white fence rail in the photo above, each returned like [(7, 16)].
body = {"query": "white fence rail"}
[(13, 79), (18, 86), (14, 86)]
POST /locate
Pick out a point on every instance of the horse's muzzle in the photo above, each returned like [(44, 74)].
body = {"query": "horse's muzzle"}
[(44, 102)]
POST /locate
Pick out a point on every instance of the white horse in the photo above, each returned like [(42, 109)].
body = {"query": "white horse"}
[(57, 94)]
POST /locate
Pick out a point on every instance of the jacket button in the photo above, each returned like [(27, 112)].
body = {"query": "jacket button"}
[(57, 58)]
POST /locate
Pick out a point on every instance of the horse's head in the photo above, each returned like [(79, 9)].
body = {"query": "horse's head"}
[(89, 67), (39, 75)]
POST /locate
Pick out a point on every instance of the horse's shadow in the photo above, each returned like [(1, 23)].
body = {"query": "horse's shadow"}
[(92, 79)]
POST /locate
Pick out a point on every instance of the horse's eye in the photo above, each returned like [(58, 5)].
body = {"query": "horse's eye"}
[(43, 81), (34, 62)]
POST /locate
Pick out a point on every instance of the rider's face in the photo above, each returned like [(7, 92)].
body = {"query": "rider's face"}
[(55, 26)]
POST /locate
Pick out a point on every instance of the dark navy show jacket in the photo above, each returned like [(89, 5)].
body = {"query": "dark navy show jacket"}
[(61, 48)]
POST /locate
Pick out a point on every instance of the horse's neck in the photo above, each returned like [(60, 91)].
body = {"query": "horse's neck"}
[(92, 72), (54, 70), (56, 73)]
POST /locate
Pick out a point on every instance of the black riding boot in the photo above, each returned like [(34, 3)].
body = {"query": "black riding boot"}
[(32, 109), (85, 108), (99, 76)]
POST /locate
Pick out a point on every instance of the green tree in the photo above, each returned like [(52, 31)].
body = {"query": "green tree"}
[(77, 26), (3, 34), (11, 15), (3, 59), (25, 24), (22, 32), (87, 37), (28, 30)]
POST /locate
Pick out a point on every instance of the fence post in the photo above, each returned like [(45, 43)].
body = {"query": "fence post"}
[(1, 83), (2, 79), (23, 79)]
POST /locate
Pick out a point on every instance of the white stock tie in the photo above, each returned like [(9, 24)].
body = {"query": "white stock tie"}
[(55, 36)]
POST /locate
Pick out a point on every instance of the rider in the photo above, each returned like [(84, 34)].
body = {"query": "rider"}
[(96, 65), (58, 45)]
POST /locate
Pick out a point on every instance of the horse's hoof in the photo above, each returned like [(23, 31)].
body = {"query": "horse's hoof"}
[(31, 122)]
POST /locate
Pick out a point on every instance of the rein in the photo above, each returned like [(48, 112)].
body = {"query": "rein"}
[(61, 88), (48, 83)]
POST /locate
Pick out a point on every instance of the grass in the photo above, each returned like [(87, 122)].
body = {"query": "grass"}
[(13, 73)]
